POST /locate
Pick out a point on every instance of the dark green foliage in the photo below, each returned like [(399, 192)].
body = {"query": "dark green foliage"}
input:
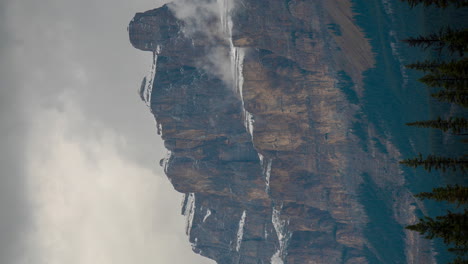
[(425, 66), (459, 260), (436, 163), (453, 68), (455, 124), (452, 228), (437, 3), (446, 81), (452, 76), (455, 41), (457, 97), (452, 194), (459, 250)]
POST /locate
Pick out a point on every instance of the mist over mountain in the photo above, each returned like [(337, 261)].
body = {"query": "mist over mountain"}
[(259, 104)]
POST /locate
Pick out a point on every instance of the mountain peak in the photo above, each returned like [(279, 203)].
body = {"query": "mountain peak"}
[(268, 161), (155, 27)]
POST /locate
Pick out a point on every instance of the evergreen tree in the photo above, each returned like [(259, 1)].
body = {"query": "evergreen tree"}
[(459, 260), (459, 250), (446, 81), (436, 162), (452, 194), (452, 228), (453, 68), (455, 124), (437, 3), (425, 66), (453, 40), (457, 97)]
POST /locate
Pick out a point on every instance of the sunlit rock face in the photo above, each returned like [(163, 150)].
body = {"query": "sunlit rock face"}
[(267, 150)]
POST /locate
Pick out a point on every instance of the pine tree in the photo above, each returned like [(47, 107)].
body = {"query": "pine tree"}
[(446, 81), (455, 124), (457, 97), (436, 162), (452, 228), (453, 40), (437, 3), (459, 260), (453, 68), (452, 194), (425, 66), (459, 250)]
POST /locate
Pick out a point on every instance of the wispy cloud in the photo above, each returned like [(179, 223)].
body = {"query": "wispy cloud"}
[(207, 20), (80, 181), (91, 205)]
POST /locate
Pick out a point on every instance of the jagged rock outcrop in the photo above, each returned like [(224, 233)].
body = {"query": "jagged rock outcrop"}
[(269, 159)]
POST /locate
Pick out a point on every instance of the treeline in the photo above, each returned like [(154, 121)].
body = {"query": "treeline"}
[(451, 78), (437, 3)]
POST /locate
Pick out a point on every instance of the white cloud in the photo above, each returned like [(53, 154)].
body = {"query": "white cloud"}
[(198, 17), (94, 192), (91, 205)]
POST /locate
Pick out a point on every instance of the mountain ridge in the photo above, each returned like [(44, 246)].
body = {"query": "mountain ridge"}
[(270, 150)]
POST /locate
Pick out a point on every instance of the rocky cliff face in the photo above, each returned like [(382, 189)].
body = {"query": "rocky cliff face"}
[(267, 149)]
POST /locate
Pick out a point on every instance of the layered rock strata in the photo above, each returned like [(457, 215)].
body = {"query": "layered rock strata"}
[(269, 157)]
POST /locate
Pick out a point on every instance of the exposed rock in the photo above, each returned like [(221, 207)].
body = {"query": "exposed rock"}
[(291, 186)]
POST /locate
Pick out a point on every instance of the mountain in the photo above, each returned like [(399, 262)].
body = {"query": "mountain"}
[(259, 107)]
